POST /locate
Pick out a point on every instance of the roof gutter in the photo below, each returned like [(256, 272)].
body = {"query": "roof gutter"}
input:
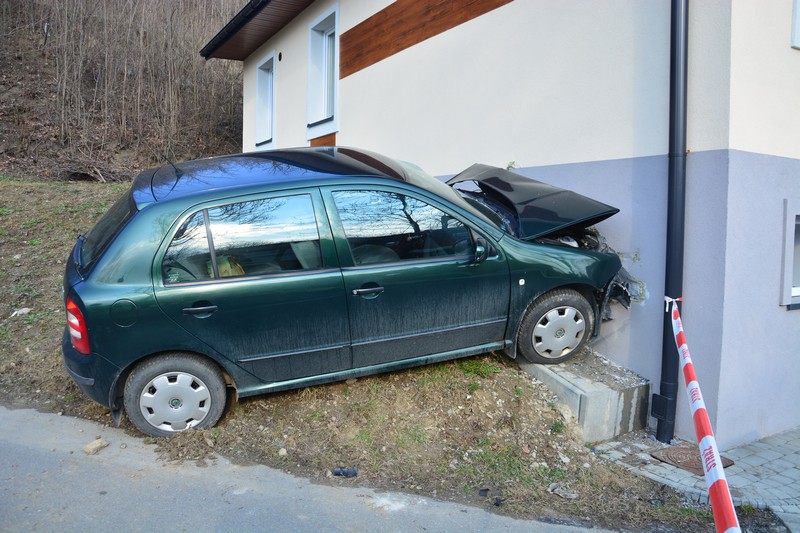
[(233, 26), (664, 404)]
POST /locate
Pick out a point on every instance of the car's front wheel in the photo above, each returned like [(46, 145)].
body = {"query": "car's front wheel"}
[(174, 392), (556, 326)]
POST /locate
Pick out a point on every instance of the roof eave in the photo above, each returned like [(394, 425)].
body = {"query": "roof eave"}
[(255, 24)]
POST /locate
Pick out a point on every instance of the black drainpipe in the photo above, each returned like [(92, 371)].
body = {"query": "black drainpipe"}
[(665, 403)]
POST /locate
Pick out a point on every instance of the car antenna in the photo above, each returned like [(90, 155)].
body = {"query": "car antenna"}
[(178, 172)]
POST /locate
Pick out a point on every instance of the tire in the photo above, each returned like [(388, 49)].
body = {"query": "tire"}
[(556, 326), (174, 392)]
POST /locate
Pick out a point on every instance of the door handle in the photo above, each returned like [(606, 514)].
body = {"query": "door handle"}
[(204, 310), (367, 291)]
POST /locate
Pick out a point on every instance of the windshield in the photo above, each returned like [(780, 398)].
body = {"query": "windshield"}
[(500, 214), (105, 230), (419, 177)]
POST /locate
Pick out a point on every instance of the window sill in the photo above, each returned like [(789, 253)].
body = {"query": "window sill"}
[(320, 122)]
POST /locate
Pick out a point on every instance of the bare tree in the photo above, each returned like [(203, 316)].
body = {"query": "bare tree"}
[(129, 77)]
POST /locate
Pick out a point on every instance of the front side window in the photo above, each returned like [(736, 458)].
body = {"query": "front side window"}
[(384, 227), (254, 238)]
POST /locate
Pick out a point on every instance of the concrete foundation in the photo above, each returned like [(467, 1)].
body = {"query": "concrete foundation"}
[(606, 400)]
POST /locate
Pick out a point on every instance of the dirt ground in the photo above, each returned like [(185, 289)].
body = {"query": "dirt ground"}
[(478, 431)]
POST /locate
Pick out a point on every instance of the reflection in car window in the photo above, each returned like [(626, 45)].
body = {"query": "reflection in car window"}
[(252, 238), (383, 227), (188, 254)]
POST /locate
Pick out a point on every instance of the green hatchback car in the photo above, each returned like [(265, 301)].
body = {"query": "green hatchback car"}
[(245, 274)]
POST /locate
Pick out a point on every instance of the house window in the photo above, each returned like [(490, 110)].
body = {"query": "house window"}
[(796, 265), (790, 293), (323, 64), (265, 102), (796, 25)]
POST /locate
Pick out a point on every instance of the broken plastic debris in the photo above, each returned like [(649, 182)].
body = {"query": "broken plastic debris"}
[(483, 492), (20, 312), (346, 472), (560, 490)]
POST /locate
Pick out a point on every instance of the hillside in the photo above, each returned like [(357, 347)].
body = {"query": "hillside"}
[(91, 92)]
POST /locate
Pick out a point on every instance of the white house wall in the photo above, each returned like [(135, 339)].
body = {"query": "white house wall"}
[(535, 82), (744, 161), (765, 79)]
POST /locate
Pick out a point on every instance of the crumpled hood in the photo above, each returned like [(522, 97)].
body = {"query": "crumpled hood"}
[(542, 209)]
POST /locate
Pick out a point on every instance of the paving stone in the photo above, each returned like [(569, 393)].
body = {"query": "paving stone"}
[(766, 474), (753, 460)]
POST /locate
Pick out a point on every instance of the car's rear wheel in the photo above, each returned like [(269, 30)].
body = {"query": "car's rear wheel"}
[(173, 392), (556, 326)]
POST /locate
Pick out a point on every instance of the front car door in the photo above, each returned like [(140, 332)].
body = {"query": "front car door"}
[(257, 281), (413, 287)]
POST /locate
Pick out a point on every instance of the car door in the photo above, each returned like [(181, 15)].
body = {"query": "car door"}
[(412, 282), (257, 281)]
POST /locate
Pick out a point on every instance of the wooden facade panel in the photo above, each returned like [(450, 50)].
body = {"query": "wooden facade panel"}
[(325, 140), (403, 24)]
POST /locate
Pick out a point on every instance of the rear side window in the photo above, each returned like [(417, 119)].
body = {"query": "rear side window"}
[(254, 238), (106, 229)]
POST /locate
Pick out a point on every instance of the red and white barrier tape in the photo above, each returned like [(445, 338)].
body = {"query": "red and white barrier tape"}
[(725, 518)]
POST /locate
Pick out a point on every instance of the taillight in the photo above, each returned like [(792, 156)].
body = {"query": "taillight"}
[(78, 332)]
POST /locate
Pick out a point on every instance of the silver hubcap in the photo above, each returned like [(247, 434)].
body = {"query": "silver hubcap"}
[(175, 401), (558, 332)]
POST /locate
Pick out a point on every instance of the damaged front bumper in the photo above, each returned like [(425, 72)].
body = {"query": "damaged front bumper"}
[(623, 289)]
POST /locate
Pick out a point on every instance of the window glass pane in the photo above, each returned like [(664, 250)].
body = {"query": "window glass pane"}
[(383, 227), (265, 236), (264, 102), (330, 53), (187, 257), (106, 229), (796, 274), (322, 71)]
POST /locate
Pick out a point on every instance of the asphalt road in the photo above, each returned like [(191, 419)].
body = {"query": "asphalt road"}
[(48, 483)]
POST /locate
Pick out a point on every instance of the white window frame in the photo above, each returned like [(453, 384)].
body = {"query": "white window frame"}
[(323, 75), (796, 25), (265, 103), (790, 288)]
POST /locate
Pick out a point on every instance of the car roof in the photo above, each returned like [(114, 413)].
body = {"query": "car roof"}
[(239, 171)]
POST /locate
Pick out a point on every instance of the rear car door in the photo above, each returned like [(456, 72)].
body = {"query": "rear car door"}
[(257, 280), (413, 287)]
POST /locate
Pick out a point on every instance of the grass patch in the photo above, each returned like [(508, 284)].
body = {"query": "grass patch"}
[(477, 367)]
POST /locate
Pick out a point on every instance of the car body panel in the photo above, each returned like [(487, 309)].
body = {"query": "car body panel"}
[(427, 305), (276, 327), (542, 209)]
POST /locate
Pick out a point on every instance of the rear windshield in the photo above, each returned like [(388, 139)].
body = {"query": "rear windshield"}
[(106, 229)]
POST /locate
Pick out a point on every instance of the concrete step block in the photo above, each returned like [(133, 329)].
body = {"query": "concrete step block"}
[(607, 400)]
